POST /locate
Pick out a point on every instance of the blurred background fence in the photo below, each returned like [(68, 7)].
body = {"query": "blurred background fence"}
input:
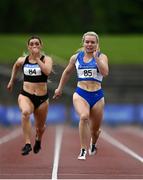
[(123, 90)]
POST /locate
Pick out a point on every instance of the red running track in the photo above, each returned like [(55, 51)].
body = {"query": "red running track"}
[(119, 156)]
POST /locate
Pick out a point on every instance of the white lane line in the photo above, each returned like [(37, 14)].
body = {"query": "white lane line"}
[(10, 136), (58, 142), (121, 146)]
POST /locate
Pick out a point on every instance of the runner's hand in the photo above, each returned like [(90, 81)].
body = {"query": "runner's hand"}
[(57, 94), (10, 86), (96, 53)]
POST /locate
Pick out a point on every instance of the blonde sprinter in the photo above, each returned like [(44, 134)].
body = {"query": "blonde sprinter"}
[(91, 66)]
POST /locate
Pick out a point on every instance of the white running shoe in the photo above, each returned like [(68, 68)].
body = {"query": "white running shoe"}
[(92, 149), (82, 155)]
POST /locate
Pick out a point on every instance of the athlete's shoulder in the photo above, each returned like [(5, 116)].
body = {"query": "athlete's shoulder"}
[(21, 60), (48, 58), (73, 58), (103, 56)]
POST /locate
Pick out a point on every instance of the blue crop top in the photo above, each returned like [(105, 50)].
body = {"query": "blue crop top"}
[(87, 71)]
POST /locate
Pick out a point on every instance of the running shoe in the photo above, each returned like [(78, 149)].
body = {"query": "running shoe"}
[(26, 149), (82, 155), (92, 149), (37, 146)]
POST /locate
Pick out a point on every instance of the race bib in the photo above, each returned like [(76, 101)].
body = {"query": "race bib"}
[(87, 73), (32, 70)]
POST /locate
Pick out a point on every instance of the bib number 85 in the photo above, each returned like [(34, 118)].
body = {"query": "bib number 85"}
[(87, 73)]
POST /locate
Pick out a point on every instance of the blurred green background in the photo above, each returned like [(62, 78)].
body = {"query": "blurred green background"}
[(121, 49), (61, 24)]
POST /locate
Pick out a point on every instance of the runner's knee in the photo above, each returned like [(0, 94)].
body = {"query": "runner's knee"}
[(84, 117), (25, 114)]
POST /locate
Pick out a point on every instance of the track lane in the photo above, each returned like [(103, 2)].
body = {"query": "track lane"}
[(15, 166), (130, 136), (109, 163)]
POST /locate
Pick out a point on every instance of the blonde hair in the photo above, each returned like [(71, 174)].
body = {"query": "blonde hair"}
[(90, 33)]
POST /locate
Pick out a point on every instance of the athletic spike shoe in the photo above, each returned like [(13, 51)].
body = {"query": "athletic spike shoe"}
[(26, 149), (37, 146), (82, 155), (92, 149)]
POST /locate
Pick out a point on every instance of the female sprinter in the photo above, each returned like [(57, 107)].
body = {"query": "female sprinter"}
[(33, 97), (91, 65)]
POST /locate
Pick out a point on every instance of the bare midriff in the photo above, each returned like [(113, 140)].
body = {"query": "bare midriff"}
[(89, 85), (38, 89)]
